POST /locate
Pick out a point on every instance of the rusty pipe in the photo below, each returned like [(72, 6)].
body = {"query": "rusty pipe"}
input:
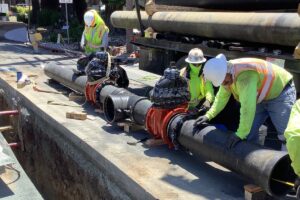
[(9, 112), (272, 28)]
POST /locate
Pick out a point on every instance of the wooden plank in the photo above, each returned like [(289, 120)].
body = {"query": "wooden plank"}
[(252, 188), (254, 192), (129, 126), (76, 97), (6, 128), (76, 115), (154, 142)]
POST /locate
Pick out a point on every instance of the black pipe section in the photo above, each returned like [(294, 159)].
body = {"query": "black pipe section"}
[(66, 77), (254, 162), (119, 104), (234, 4)]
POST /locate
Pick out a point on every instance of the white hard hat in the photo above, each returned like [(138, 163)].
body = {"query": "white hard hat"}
[(195, 56), (215, 70), (89, 18)]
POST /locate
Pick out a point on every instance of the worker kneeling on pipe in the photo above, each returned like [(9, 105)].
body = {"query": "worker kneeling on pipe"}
[(292, 135), (95, 34), (262, 88), (201, 90)]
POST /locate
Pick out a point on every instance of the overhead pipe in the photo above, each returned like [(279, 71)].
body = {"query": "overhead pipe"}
[(270, 28), (233, 4), (252, 161), (255, 162)]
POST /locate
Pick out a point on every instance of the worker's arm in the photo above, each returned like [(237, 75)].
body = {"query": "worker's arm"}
[(219, 104), (104, 42), (210, 96), (82, 41), (247, 89), (292, 135)]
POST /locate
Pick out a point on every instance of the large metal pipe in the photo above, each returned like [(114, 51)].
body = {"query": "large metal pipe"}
[(119, 104), (66, 76), (119, 107), (234, 4), (254, 162), (271, 28)]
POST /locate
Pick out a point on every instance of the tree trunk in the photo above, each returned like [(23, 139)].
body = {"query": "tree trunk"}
[(53, 4), (80, 7), (35, 10)]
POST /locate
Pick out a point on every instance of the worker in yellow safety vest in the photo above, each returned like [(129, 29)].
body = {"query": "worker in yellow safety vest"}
[(95, 34), (292, 136), (201, 91), (262, 88)]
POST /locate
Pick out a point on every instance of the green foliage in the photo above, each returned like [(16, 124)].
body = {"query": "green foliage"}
[(22, 13), (114, 2), (47, 17), (75, 30)]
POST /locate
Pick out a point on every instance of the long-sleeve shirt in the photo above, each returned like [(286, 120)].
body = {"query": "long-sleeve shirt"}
[(292, 135), (244, 90), (198, 87)]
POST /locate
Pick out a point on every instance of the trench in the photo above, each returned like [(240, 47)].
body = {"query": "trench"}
[(55, 166)]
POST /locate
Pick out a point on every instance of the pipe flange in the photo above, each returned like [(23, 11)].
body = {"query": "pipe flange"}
[(157, 121)]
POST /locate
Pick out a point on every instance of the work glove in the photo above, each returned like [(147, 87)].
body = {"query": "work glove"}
[(206, 105), (201, 120), (232, 141)]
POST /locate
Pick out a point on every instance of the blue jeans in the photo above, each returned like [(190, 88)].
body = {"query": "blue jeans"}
[(277, 109)]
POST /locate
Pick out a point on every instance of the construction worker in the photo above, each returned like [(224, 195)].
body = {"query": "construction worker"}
[(262, 88), (292, 136), (95, 34), (201, 91)]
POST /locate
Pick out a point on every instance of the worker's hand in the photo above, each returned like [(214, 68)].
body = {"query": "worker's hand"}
[(201, 120), (232, 141), (206, 105), (193, 111)]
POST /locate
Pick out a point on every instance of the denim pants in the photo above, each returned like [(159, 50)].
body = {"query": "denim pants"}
[(277, 109)]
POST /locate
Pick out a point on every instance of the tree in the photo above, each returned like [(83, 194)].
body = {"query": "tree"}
[(78, 7), (110, 7)]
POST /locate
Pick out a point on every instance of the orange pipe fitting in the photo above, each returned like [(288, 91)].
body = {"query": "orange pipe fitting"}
[(157, 121), (90, 92)]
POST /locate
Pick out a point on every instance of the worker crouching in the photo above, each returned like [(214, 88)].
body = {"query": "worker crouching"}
[(262, 88), (201, 90), (292, 135)]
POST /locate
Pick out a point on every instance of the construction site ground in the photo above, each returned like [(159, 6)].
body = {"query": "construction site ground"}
[(90, 159)]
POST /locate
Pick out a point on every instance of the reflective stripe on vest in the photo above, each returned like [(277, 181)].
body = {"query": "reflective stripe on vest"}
[(264, 68)]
